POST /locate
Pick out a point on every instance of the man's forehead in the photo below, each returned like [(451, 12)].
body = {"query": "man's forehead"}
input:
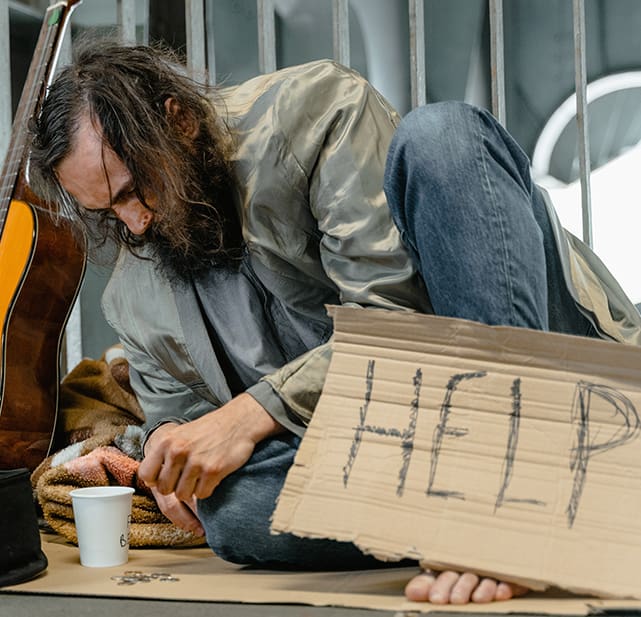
[(91, 172), (88, 138)]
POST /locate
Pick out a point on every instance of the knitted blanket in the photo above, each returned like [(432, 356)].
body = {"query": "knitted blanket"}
[(99, 440)]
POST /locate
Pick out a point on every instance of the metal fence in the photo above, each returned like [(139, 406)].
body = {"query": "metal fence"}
[(201, 61)]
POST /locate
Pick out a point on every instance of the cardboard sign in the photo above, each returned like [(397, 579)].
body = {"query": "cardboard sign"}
[(505, 451)]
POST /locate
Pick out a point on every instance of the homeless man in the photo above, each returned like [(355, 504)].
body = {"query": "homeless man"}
[(241, 213)]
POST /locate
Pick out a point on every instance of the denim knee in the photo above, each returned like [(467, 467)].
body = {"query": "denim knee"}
[(229, 538), (426, 132), (433, 146), (236, 518)]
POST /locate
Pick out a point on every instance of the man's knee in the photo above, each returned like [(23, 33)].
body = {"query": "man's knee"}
[(227, 535), (240, 538), (433, 141), (236, 517), (426, 127), (433, 147)]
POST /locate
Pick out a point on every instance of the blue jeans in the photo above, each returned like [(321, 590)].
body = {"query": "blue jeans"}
[(236, 518), (460, 192)]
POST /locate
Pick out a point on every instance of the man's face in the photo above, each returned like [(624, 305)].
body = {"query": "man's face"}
[(187, 237), (98, 180)]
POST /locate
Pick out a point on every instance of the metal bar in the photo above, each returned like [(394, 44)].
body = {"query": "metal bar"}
[(580, 78), (266, 36), (126, 10), (195, 25), (211, 47), (73, 339), (145, 22), (5, 80), (340, 27), (417, 53), (65, 55), (497, 57)]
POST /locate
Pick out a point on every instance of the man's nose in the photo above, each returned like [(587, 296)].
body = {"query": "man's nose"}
[(135, 216)]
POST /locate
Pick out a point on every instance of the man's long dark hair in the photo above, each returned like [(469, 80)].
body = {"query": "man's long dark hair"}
[(124, 89)]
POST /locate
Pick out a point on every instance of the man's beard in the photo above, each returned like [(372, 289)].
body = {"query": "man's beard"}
[(212, 242)]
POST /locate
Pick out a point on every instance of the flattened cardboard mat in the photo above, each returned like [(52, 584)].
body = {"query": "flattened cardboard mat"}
[(205, 578), (505, 451)]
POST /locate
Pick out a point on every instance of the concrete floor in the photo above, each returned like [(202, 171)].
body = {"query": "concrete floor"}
[(27, 605)]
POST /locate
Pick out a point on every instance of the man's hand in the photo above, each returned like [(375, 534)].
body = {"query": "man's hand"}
[(191, 459), (181, 514), (450, 587)]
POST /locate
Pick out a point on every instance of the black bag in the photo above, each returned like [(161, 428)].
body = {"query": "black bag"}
[(21, 557)]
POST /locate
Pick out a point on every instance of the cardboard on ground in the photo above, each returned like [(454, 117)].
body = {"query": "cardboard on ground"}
[(502, 450)]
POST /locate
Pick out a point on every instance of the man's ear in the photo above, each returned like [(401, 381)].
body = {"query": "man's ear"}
[(180, 118)]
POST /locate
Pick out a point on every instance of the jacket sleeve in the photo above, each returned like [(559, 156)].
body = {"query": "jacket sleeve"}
[(340, 143)]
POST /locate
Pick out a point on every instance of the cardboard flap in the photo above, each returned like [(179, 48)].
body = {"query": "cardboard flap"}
[(506, 451)]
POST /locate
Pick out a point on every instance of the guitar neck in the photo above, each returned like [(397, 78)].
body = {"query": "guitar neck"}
[(41, 70)]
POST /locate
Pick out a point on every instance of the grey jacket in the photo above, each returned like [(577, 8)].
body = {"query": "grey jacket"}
[(318, 231)]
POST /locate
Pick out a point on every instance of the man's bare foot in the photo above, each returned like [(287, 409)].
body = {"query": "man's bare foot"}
[(450, 587)]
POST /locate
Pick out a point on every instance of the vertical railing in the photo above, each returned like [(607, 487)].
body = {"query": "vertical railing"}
[(126, 19), (266, 36), (211, 47), (340, 30), (497, 55), (580, 80), (195, 35), (418, 92)]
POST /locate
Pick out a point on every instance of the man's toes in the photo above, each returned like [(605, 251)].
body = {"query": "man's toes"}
[(463, 588), (505, 591), (418, 589), (442, 588), (485, 591)]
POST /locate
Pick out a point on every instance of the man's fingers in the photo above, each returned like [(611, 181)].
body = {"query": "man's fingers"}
[(169, 476), (150, 467), (180, 514), (154, 455), (192, 504), (186, 483)]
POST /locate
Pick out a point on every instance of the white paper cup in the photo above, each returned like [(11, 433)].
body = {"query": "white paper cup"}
[(102, 515)]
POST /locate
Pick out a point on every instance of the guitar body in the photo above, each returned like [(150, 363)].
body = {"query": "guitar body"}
[(41, 268)]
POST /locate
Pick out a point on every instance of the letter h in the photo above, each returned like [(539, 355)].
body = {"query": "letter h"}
[(406, 435)]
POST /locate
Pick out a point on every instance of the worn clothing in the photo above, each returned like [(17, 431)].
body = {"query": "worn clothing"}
[(311, 148), (311, 144), (237, 516), (452, 167)]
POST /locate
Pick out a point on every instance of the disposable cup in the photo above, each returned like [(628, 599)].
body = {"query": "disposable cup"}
[(102, 515)]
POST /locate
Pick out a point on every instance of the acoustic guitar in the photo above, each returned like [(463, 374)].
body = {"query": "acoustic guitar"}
[(41, 269)]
